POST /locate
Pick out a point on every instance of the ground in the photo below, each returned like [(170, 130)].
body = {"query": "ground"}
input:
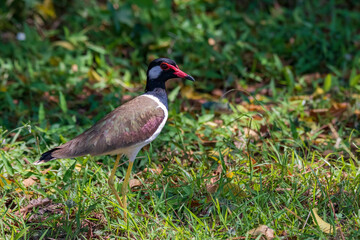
[(264, 143)]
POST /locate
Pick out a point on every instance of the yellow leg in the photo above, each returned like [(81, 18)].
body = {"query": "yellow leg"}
[(125, 187), (111, 180)]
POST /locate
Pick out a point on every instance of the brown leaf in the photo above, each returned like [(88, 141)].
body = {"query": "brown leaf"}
[(134, 183), (64, 44), (189, 93), (29, 181), (151, 170), (234, 189), (263, 230), (243, 134), (45, 210), (212, 188), (218, 170), (318, 112), (301, 97), (34, 203), (257, 108), (249, 133), (338, 109), (309, 78), (217, 92), (195, 203), (46, 170), (94, 76)]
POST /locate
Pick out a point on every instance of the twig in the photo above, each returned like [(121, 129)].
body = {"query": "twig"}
[(294, 214), (41, 202), (306, 220)]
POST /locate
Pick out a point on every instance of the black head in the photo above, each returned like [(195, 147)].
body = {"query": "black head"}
[(162, 69)]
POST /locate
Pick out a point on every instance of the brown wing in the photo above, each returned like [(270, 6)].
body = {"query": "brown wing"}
[(129, 124)]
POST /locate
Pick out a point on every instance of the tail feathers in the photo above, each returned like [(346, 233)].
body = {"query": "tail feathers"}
[(47, 156)]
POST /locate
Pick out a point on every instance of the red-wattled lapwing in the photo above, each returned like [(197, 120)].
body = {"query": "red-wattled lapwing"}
[(128, 128)]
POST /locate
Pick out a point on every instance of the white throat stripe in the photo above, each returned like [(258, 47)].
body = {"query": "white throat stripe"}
[(154, 72)]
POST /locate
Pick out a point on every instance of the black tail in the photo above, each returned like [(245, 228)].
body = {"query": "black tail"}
[(47, 156)]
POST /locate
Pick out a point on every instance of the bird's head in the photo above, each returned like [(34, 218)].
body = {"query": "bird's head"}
[(162, 69)]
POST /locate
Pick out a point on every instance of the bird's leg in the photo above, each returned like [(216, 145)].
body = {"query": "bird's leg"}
[(125, 187), (111, 181)]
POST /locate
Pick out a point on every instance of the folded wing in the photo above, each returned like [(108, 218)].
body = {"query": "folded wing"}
[(128, 125)]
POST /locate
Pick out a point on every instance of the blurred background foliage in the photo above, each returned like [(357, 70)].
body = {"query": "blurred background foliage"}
[(93, 52)]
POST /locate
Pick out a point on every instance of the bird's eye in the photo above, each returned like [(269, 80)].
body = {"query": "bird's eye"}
[(164, 66)]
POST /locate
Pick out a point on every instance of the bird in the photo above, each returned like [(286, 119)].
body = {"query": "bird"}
[(128, 128)]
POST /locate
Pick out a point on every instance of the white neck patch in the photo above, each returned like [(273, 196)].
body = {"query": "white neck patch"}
[(154, 72)]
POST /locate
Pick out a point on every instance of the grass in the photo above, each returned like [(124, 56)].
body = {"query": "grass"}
[(268, 132)]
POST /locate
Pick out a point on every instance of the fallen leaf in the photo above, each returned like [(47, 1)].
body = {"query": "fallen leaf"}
[(230, 174), (29, 181), (256, 108), (45, 210), (301, 97), (134, 183), (94, 76), (64, 44), (189, 93), (212, 188), (249, 133), (338, 109), (211, 124), (34, 203), (309, 78), (151, 170), (318, 92), (4, 180), (213, 185), (78, 167), (355, 96), (283, 189), (46, 9), (195, 203), (234, 189), (46, 170), (216, 156), (324, 226), (263, 230)]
